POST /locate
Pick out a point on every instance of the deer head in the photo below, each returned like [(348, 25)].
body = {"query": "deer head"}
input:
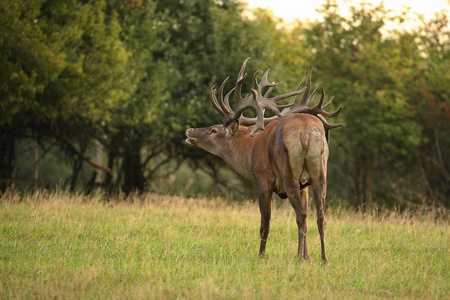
[(213, 139)]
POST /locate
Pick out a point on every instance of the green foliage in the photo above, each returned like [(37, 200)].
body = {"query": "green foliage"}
[(59, 59), (27, 61)]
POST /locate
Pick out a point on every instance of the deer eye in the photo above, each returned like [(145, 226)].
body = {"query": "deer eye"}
[(213, 131)]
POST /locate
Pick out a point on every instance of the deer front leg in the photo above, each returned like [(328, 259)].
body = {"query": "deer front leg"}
[(265, 207)]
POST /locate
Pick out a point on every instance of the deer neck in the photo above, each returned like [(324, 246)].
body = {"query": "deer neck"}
[(238, 154)]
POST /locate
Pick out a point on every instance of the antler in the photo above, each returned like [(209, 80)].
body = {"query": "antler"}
[(261, 102), (256, 100)]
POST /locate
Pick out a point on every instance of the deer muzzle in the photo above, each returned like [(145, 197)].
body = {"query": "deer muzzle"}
[(190, 140)]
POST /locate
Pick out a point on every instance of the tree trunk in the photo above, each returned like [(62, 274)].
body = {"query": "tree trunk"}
[(99, 161), (109, 177), (357, 201), (368, 189), (7, 156), (78, 163), (35, 164), (132, 170), (363, 182)]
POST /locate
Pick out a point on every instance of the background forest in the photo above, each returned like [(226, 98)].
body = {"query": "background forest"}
[(98, 94)]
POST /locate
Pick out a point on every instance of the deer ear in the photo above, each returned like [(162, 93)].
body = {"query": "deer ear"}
[(233, 128)]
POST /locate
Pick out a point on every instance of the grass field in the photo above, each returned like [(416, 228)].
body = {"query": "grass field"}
[(66, 246)]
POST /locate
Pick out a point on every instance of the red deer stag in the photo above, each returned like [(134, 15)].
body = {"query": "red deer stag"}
[(283, 154)]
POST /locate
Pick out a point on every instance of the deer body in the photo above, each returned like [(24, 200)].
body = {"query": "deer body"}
[(290, 154), (287, 156)]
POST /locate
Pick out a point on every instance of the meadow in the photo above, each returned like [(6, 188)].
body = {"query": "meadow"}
[(165, 247)]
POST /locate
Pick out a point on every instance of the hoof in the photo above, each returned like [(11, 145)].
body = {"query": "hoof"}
[(302, 259)]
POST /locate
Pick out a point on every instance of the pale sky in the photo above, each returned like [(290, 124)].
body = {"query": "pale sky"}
[(303, 9)]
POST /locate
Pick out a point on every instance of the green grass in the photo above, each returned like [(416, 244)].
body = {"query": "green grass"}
[(65, 246)]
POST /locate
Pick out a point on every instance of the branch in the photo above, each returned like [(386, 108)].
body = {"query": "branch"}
[(439, 155), (87, 159), (154, 153), (214, 173), (167, 174), (425, 178)]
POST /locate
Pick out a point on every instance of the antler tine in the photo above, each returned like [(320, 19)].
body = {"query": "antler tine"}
[(240, 80), (328, 125), (252, 121), (284, 96), (271, 85), (244, 64), (222, 102), (215, 103), (260, 109), (322, 97), (331, 114), (269, 90), (322, 107), (313, 93), (328, 103), (265, 83), (227, 101), (304, 100), (300, 84), (255, 82)]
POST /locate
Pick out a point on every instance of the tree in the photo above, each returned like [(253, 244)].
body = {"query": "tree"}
[(64, 71)]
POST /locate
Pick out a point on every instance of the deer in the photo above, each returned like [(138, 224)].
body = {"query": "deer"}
[(284, 154)]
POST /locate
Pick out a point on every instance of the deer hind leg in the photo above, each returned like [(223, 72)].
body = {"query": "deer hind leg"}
[(304, 200), (320, 190), (265, 207), (296, 199)]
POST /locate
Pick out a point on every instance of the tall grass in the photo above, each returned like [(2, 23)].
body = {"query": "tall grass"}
[(70, 246)]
